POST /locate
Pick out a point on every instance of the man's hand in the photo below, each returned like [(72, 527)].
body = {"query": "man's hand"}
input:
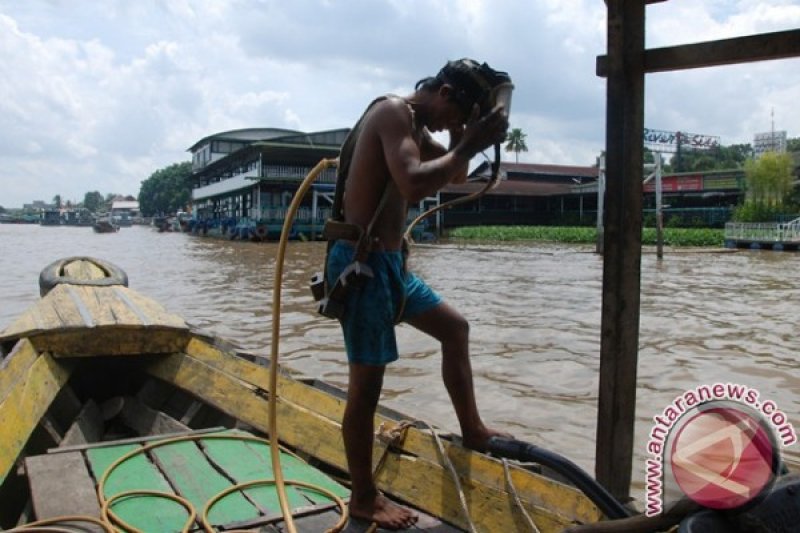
[(481, 133)]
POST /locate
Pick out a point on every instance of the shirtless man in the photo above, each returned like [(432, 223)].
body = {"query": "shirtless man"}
[(395, 152)]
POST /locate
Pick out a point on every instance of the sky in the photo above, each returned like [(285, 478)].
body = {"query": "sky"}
[(98, 95)]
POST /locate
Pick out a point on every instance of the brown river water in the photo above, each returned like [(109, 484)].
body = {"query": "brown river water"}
[(534, 310)]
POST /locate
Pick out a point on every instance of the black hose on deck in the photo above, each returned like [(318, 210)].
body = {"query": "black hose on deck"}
[(526, 452)]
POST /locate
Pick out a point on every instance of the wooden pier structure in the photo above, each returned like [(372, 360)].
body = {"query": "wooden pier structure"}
[(769, 236), (624, 66)]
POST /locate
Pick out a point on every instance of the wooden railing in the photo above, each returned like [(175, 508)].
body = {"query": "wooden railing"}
[(287, 172)]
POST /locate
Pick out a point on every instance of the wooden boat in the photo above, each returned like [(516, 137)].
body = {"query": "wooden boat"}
[(105, 225), (96, 379)]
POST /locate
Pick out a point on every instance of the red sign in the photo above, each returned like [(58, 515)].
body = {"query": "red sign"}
[(676, 184)]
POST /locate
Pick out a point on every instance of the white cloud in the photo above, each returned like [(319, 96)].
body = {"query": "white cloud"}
[(97, 96)]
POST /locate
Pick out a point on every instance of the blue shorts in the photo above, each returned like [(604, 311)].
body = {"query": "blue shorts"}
[(371, 310)]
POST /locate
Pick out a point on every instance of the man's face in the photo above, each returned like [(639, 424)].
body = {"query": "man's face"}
[(449, 113)]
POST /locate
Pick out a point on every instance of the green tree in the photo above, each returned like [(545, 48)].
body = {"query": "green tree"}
[(93, 201), (515, 142), (793, 145), (769, 183), (57, 201), (717, 158), (166, 190), (769, 179), (734, 156)]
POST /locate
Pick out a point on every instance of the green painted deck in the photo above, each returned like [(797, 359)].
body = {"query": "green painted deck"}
[(197, 470)]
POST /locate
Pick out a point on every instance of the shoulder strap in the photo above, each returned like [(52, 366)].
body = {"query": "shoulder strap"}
[(346, 155)]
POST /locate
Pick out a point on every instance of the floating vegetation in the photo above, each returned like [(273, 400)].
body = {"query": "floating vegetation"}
[(586, 235)]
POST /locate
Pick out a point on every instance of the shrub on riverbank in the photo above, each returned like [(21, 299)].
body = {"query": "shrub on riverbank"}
[(672, 236)]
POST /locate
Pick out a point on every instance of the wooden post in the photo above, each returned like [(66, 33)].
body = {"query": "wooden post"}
[(659, 209), (622, 246), (601, 200)]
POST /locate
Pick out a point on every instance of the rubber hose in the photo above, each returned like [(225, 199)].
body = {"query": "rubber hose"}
[(526, 452)]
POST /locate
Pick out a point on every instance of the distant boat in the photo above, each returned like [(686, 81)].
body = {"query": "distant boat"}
[(77, 217), (163, 224), (104, 225), (51, 217), (18, 219)]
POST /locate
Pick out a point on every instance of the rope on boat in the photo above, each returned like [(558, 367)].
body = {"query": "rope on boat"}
[(390, 437), (513, 490), (395, 435), (449, 464)]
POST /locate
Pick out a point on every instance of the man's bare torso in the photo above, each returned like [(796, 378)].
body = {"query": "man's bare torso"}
[(369, 177)]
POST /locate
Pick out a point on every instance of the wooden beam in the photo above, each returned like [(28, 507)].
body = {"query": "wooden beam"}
[(760, 47), (16, 366), (25, 404), (132, 440), (146, 421), (87, 427), (622, 247)]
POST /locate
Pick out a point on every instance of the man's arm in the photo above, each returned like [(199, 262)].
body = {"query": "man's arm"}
[(431, 149), (417, 179)]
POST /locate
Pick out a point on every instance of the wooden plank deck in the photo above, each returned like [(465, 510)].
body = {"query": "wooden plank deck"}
[(61, 486)]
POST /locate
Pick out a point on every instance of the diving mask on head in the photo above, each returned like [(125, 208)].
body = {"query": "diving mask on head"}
[(475, 83), (501, 95)]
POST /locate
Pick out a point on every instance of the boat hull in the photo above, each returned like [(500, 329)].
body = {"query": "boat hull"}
[(113, 351)]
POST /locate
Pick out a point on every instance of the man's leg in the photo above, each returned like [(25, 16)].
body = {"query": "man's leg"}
[(451, 329), (366, 502)]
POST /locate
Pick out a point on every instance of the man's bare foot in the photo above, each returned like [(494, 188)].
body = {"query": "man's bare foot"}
[(478, 439), (383, 512)]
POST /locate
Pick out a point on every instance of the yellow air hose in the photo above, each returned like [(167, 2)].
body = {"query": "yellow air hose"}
[(276, 331), (491, 184), (494, 180)]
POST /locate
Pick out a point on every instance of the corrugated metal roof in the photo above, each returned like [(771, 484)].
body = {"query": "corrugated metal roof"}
[(512, 188), (532, 170), (246, 134)]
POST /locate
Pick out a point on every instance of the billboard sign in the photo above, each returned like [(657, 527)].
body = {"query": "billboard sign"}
[(671, 140)]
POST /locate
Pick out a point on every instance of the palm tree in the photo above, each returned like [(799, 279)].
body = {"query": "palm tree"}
[(515, 142)]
